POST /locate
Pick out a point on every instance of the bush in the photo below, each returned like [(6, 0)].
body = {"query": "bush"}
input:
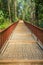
[(15, 19), (5, 24), (1, 17), (40, 15), (41, 23)]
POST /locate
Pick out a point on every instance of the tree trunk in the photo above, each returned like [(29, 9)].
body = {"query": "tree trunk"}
[(9, 9), (15, 9)]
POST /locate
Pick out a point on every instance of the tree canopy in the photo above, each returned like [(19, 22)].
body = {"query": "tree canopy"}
[(28, 10)]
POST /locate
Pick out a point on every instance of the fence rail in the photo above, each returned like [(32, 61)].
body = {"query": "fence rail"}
[(37, 31), (4, 34)]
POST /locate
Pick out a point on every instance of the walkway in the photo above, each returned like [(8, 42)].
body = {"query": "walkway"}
[(22, 45)]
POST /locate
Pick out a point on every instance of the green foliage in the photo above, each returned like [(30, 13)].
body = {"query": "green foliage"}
[(4, 7), (41, 23), (28, 10), (27, 17), (1, 17), (15, 19), (5, 24), (38, 13)]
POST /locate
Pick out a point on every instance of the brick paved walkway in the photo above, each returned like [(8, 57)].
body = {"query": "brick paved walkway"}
[(21, 45)]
